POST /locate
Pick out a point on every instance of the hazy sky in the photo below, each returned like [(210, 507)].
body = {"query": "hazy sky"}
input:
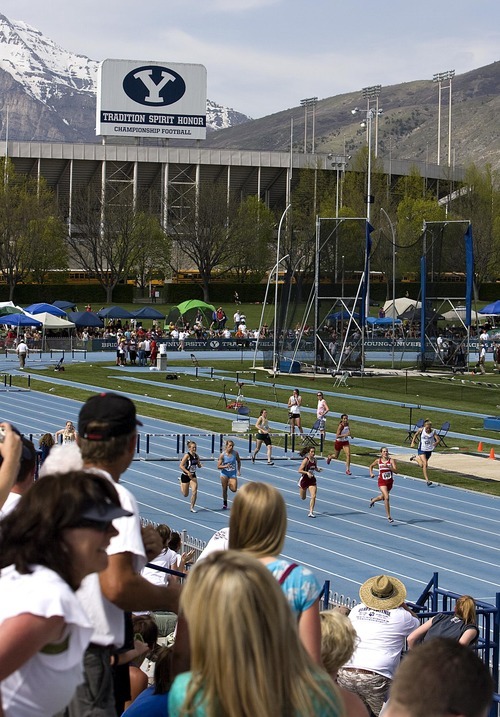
[(263, 56)]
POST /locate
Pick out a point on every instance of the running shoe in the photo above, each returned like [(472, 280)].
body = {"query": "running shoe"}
[(311, 515), (328, 460), (391, 520), (270, 463), (429, 484), (224, 507), (348, 473), (253, 458), (372, 503), (413, 458), (193, 510)]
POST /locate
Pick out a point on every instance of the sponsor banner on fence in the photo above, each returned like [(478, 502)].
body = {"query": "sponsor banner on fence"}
[(410, 345)]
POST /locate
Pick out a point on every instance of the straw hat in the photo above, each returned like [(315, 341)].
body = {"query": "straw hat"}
[(382, 592)]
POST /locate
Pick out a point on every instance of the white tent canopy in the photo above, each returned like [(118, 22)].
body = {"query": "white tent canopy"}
[(458, 314), (401, 305), (52, 322)]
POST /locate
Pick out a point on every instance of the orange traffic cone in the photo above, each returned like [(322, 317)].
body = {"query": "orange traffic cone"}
[(492, 454), (480, 446)]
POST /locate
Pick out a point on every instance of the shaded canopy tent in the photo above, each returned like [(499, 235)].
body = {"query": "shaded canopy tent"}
[(85, 319), (459, 313), (115, 312), (341, 316), (64, 304), (413, 314), (401, 305), (147, 312), (191, 305), (7, 308), (491, 309), (35, 309), (20, 320), (386, 321), (53, 323), (186, 306)]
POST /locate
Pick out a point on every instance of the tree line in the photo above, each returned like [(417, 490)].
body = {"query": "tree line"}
[(114, 234)]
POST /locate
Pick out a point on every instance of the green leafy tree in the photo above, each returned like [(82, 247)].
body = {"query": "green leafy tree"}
[(154, 252), (107, 238), (52, 251), (252, 233), (479, 202), (411, 215), (28, 219), (203, 232)]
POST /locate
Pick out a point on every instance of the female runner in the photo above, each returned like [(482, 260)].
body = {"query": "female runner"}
[(229, 464), (188, 466), (307, 481), (262, 436), (342, 438), (386, 469), (427, 441)]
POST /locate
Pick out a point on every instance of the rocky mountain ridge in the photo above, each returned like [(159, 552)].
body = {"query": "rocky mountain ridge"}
[(49, 94)]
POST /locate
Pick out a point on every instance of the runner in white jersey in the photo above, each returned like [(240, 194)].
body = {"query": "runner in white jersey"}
[(427, 441)]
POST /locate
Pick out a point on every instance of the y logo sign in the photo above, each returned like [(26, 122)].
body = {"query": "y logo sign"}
[(154, 86)]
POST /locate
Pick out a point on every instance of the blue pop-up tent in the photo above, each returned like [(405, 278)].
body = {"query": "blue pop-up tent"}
[(491, 310), (20, 320), (115, 312), (46, 309)]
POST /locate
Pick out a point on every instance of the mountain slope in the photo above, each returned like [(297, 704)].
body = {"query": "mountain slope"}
[(407, 127)]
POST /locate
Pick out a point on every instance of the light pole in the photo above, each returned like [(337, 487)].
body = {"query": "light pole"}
[(441, 77), (278, 261), (370, 114), (306, 103), (370, 94), (393, 234), (339, 163)]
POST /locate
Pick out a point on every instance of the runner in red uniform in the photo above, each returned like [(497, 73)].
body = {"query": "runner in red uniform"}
[(342, 438), (386, 468), (307, 480)]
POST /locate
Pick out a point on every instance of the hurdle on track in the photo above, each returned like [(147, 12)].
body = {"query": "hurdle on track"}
[(6, 383), (169, 446)]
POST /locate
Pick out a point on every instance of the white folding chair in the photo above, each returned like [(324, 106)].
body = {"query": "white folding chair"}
[(341, 379)]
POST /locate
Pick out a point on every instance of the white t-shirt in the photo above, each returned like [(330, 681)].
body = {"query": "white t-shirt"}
[(11, 502), (107, 618), (382, 635), (44, 684), (294, 404), (166, 559), (322, 408), (218, 541), (427, 442)]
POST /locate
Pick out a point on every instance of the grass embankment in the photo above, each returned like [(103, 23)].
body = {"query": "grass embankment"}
[(464, 394)]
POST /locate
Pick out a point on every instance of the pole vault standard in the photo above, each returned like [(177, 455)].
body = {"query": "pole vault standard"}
[(331, 244)]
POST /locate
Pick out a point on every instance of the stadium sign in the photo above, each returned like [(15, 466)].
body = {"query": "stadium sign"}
[(151, 99)]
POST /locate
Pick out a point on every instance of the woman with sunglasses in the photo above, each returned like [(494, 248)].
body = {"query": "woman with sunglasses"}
[(55, 536)]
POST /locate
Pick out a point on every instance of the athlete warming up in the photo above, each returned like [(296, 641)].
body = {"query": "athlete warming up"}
[(188, 465), (386, 467), (307, 480)]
